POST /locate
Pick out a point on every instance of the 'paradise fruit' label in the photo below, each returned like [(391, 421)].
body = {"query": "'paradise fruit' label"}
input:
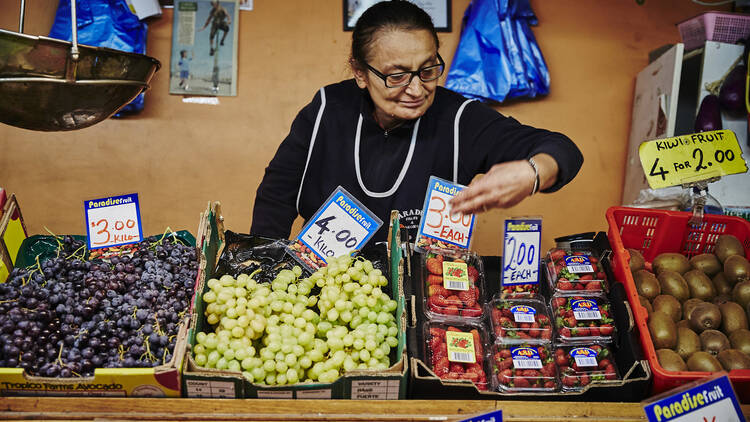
[(460, 347), (523, 314), (584, 357), (585, 309), (455, 275), (525, 358), (578, 264)]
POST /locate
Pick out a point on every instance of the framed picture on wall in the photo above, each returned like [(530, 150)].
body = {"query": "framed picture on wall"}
[(439, 10)]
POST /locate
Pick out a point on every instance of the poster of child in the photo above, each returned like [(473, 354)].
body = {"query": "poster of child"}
[(204, 48)]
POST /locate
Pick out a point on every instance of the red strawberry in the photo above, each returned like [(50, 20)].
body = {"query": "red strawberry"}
[(449, 310), (473, 376), (565, 332), (601, 275), (435, 265), (441, 367), (468, 297), (453, 300), (606, 329), (583, 331), (452, 328), (437, 332), (569, 381), (438, 301), (548, 370), (504, 376), (585, 380), (587, 277), (561, 360), (433, 279), (504, 364), (520, 382), (559, 301), (609, 372), (564, 284), (473, 274), (556, 253), (456, 367), (604, 363), (571, 321), (452, 376), (549, 384), (594, 331), (473, 312), (593, 285), (477, 345)]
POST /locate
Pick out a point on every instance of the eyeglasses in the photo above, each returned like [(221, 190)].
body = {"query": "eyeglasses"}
[(425, 74)]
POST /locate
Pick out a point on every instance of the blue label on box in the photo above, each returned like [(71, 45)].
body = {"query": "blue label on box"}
[(584, 356), (526, 358), (584, 309), (578, 264), (523, 314), (712, 401), (494, 416)]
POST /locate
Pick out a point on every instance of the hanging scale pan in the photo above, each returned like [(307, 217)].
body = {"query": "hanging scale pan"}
[(48, 84)]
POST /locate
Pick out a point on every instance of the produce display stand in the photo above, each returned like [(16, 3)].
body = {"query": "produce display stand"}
[(634, 370), (206, 382)]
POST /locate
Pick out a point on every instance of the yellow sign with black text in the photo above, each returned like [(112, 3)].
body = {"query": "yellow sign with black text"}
[(691, 158)]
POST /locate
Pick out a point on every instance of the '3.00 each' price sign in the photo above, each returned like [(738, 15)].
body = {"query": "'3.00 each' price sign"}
[(113, 221), (438, 223)]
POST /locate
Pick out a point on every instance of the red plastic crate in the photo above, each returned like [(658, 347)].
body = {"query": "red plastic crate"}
[(653, 232)]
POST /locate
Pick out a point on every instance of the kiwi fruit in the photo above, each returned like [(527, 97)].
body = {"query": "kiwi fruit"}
[(722, 285), (740, 340), (669, 305), (637, 262), (689, 305), (728, 245), (713, 341), (646, 284), (687, 342), (683, 323), (719, 299), (672, 283), (671, 261), (663, 330), (733, 317), (733, 359), (706, 262), (670, 360), (646, 304), (737, 269), (700, 285), (741, 294), (703, 362), (705, 316)]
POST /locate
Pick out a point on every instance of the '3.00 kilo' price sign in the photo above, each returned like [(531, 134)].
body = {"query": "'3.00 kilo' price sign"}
[(339, 227), (691, 158), (113, 221)]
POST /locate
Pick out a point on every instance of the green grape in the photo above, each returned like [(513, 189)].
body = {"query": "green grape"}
[(271, 379), (391, 341), (305, 362), (221, 363), (269, 365), (200, 359), (281, 366), (258, 374), (233, 365), (229, 354)]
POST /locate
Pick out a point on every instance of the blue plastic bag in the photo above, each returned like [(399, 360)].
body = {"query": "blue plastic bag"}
[(104, 23), (497, 56)]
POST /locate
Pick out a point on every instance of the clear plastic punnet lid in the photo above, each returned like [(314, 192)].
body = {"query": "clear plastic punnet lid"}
[(457, 352), (522, 368), (581, 365), (520, 321), (583, 319), (453, 285), (575, 273)]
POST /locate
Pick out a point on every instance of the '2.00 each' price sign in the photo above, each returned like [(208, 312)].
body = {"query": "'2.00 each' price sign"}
[(521, 251), (691, 158), (113, 221), (339, 227), (438, 223)]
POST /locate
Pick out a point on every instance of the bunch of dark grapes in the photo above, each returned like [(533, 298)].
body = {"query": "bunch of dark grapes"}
[(67, 316)]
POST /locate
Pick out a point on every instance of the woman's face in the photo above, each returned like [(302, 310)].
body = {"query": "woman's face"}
[(395, 51)]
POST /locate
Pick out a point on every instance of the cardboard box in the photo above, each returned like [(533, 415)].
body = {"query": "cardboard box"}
[(12, 233), (159, 381), (633, 367), (208, 382)]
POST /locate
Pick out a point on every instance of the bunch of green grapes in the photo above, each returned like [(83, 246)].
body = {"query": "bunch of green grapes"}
[(282, 332)]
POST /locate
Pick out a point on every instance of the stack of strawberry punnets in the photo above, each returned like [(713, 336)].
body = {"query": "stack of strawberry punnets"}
[(446, 295), (456, 352)]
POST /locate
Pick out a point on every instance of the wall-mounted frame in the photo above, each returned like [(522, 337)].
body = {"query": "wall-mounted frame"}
[(439, 10)]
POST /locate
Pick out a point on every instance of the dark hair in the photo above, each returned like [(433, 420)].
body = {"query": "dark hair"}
[(393, 14)]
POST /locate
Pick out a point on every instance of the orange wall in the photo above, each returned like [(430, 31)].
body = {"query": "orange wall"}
[(179, 156)]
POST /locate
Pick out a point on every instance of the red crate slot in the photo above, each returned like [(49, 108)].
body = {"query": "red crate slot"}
[(657, 231)]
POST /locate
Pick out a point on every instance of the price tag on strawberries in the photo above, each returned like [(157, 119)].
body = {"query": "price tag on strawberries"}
[(523, 320), (524, 368), (453, 285), (339, 227), (579, 366), (438, 227), (691, 158), (521, 257), (456, 352), (579, 318), (577, 272), (113, 221)]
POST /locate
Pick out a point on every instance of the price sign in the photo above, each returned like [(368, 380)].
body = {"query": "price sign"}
[(339, 227), (113, 221), (438, 225), (691, 158), (709, 401), (521, 251), (494, 416)]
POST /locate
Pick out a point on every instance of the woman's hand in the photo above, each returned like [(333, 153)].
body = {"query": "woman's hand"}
[(505, 185)]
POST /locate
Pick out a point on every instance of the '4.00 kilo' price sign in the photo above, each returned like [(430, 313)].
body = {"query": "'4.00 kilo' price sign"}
[(113, 221), (691, 158), (339, 227)]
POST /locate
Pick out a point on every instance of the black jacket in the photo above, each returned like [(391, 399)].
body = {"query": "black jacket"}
[(485, 138)]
